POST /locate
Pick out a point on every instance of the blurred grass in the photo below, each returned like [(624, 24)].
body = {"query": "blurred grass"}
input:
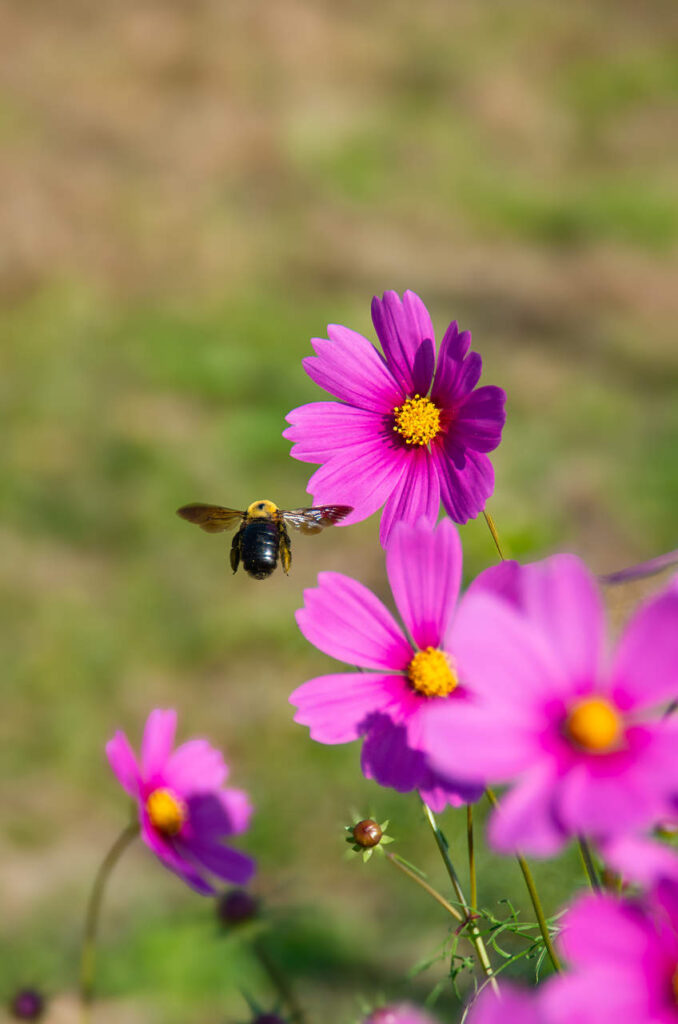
[(188, 197)]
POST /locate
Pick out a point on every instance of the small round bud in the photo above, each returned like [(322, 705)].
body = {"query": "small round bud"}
[(237, 906), (367, 833), (27, 1004)]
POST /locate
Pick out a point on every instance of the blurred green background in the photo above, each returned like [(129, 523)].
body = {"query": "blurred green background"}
[(189, 191)]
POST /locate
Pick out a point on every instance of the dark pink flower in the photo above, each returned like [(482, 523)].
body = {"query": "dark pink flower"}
[(580, 737), (405, 433), (403, 676), (623, 959), (184, 810)]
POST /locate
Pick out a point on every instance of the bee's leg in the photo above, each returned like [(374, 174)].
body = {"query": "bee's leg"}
[(235, 552), (285, 549)]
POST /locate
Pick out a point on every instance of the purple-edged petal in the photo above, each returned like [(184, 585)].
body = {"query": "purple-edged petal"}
[(424, 570), (524, 819), (349, 366), (645, 670), (439, 793), (195, 767), (415, 496), (345, 620), (213, 816), (122, 760), (336, 708), (321, 430), (362, 477), (387, 758), (457, 373), (562, 600), (464, 492), (173, 860), (405, 331), (157, 742), (478, 422), (602, 996), (227, 864)]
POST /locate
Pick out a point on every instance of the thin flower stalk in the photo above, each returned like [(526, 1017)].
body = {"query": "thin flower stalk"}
[(398, 863)]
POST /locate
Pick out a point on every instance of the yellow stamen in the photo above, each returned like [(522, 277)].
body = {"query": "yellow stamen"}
[(674, 985), (417, 420), (167, 814), (594, 724), (431, 673)]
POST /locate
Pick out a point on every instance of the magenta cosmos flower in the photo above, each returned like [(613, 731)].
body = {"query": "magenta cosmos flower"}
[(399, 1013), (580, 737), (405, 433), (623, 959), (184, 810), (403, 676)]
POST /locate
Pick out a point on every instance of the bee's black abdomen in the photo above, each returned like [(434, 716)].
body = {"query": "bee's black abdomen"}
[(259, 546)]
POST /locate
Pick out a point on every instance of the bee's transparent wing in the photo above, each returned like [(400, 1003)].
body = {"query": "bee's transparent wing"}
[(313, 520), (211, 518)]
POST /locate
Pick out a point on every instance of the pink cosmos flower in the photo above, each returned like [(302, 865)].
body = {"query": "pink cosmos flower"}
[(641, 860), (399, 1013), (184, 811), (580, 737), (403, 676), (512, 1006), (623, 960), (405, 433)]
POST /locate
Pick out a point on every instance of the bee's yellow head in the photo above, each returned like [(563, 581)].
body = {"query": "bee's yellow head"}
[(262, 509)]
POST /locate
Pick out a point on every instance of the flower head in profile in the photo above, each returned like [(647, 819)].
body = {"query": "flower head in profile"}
[(403, 676), (185, 812), (623, 959), (581, 737), (407, 431), (511, 1006)]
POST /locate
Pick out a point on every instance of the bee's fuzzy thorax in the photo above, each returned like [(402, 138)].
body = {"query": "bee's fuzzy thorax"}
[(262, 509)]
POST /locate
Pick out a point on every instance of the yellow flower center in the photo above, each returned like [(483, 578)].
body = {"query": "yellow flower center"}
[(594, 725), (417, 420), (431, 673), (167, 814), (674, 985)]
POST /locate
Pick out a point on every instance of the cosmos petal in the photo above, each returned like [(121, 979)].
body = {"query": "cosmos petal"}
[(524, 820), (405, 331), (215, 815), (478, 422), (122, 760), (227, 864), (457, 373), (464, 492), (157, 742), (362, 477), (349, 367), (195, 767), (387, 758), (345, 620), (337, 707), (321, 430), (424, 570), (173, 860), (415, 495), (645, 669)]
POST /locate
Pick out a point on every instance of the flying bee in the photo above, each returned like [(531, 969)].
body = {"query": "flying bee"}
[(262, 535)]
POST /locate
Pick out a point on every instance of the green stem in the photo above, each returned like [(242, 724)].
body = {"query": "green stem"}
[(471, 858), (493, 530), (88, 954), (396, 861), (534, 897), (589, 865), (279, 982), (472, 927)]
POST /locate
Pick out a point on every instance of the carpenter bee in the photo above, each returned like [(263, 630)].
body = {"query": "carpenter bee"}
[(262, 535)]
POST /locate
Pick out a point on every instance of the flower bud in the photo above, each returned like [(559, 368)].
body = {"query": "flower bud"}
[(236, 906), (367, 833), (27, 1004)]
